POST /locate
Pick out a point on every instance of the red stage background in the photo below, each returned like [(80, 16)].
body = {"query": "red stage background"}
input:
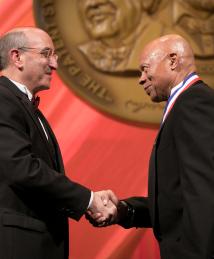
[(98, 152)]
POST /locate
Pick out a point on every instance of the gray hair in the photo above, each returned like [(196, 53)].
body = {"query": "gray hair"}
[(14, 39)]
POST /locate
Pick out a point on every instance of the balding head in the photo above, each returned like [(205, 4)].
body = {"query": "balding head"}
[(28, 57), (164, 63), (172, 45), (15, 39)]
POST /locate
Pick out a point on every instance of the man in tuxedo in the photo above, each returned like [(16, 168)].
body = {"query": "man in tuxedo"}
[(180, 203), (36, 198)]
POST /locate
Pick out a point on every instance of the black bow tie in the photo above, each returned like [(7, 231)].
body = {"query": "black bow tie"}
[(35, 101)]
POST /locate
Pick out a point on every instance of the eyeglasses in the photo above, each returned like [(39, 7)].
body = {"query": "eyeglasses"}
[(46, 53)]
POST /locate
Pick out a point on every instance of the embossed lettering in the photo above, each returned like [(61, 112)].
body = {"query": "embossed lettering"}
[(68, 60), (54, 33), (73, 70), (94, 87), (136, 107), (48, 11), (85, 80), (46, 2), (59, 44)]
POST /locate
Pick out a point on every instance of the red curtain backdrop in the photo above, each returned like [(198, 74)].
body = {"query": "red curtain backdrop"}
[(98, 152)]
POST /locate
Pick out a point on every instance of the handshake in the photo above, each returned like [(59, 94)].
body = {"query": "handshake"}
[(106, 209)]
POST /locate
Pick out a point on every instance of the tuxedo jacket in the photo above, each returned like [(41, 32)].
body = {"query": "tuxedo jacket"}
[(35, 196), (180, 202)]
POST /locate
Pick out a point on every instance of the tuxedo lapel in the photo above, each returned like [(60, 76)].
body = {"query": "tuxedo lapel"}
[(32, 112), (30, 109), (152, 187), (52, 143), (152, 184)]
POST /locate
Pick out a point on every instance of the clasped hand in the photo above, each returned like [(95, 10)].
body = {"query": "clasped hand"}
[(103, 209)]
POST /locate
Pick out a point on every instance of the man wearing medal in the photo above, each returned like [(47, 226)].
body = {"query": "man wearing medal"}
[(180, 203)]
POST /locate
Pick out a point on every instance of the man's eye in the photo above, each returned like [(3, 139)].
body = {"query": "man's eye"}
[(46, 53), (144, 69)]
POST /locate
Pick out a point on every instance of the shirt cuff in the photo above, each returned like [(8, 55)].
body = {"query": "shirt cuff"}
[(91, 199)]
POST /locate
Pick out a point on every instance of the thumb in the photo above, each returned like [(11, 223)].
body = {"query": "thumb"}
[(112, 197), (105, 199)]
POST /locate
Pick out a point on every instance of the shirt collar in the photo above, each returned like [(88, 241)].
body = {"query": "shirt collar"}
[(23, 89)]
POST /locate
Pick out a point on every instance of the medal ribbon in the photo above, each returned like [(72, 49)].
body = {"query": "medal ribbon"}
[(188, 81)]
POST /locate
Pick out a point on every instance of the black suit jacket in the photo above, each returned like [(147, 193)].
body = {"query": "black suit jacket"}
[(180, 204), (35, 196)]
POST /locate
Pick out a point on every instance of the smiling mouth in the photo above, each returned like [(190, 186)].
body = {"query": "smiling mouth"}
[(99, 13), (96, 19), (146, 89)]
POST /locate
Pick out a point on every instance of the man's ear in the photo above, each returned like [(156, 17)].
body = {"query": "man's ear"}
[(173, 60), (15, 58)]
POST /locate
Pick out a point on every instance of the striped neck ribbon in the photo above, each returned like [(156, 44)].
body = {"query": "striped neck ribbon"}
[(188, 81)]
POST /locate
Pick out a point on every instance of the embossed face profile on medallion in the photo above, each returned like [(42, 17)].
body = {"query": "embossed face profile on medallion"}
[(195, 18), (114, 27), (105, 19)]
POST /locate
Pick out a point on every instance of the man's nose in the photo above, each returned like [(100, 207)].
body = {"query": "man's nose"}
[(142, 79), (53, 62)]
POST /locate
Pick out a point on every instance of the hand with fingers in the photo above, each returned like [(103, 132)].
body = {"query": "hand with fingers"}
[(103, 210)]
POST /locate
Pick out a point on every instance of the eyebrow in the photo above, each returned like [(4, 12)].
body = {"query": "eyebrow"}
[(46, 48), (142, 66)]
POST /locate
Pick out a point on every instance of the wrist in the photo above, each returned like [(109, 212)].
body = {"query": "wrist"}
[(125, 213)]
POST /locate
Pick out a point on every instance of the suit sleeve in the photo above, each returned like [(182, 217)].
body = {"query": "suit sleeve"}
[(25, 171), (139, 216), (194, 139)]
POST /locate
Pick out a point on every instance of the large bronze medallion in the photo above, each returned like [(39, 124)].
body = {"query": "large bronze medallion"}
[(99, 44)]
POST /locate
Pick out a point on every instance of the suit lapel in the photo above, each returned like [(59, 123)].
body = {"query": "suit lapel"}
[(152, 188), (30, 109), (152, 184), (53, 143)]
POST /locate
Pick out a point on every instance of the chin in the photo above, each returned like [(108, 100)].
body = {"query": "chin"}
[(102, 31), (42, 88), (156, 99), (45, 87)]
